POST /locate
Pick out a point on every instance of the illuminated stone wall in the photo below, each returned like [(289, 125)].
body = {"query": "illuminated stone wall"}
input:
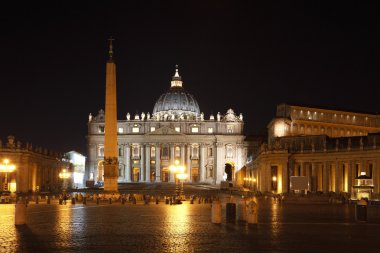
[(37, 169)]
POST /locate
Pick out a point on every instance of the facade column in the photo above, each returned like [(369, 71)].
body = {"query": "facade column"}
[(325, 178), (202, 163), (171, 173), (188, 161), (158, 163), (128, 162), (147, 164), (183, 155), (219, 166), (142, 163)]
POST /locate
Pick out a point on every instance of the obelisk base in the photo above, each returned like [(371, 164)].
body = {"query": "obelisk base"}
[(110, 185), (110, 175)]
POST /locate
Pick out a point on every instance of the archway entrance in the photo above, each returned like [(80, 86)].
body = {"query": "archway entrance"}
[(165, 175), (229, 170), (100, 174), (136, 174), (194, 175)]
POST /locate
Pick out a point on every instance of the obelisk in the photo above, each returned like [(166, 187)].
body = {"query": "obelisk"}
[(111, 163)]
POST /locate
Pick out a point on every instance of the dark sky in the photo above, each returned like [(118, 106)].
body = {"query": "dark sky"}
[(246, 55)]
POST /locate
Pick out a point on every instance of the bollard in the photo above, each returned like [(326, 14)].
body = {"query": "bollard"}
[(166, 201), (37, 200), (97, 201), (252, 212), (48, 200), (230, 212), (134, 201), (191, 201), (199, 200), (110, 201), (123, 201), (73, 201), (60, 201), (216, 212), (20, 212), (157, 201), (242, 210), (84, 200)]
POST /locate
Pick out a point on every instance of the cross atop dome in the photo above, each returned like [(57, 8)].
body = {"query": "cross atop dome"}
[(176, 79)]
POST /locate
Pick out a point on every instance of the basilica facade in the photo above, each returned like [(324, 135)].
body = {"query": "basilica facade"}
[(318, 150), (211, 150)]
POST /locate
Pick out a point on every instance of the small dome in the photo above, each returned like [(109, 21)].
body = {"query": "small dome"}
[(176, 101)]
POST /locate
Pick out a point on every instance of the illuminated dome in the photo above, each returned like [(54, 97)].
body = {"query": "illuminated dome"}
[(176, 103)]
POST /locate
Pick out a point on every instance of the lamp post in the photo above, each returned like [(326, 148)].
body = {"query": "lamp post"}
[(64, 175), (179, 177), (6, 167)]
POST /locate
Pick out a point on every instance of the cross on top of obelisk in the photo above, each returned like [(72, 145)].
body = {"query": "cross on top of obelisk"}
[(110, 52)]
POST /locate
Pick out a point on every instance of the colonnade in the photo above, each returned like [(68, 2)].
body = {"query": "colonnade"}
[(324, 175)]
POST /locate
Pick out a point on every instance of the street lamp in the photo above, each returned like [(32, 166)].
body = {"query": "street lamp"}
[(6, 167), (179, 175), (64, 175)]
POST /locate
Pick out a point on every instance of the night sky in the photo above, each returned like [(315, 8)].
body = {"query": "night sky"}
[(245, 55)]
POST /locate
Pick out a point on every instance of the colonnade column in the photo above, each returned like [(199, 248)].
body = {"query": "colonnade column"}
[(158, 164), (171, 173), (202, 163), (285, 178), (142, 163), (349, 176), (128, 162), (314, 182), (375, 176), (337, 177), (188, 161), (147, 164), (325, 178)]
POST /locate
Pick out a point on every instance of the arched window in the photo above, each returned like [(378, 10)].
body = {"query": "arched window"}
[(177, 151)]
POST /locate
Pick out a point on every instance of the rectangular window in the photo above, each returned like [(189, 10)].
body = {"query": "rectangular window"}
[(120, 130), (135, 130), (178, 129), (153, 152), (230, 129), (210, 130), (195, 129), (135, 151), (194, 152), (229, 151), (101, 129), (152, 129)]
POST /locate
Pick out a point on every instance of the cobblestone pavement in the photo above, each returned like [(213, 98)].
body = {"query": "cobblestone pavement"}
[(187, 228)]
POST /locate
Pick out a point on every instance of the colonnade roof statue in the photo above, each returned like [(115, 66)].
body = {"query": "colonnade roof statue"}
[(176, 103)]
